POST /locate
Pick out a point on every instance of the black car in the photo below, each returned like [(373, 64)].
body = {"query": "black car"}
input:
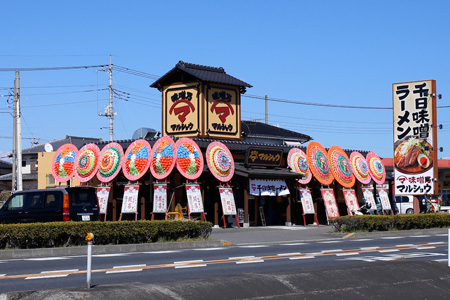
[(49, 205)]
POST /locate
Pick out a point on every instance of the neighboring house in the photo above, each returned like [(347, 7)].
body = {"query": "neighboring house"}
[(5, 168), (30, 159)]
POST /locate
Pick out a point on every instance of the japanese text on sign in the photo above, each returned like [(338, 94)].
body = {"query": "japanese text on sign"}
[(102, 196), (227, 199), (194, 197), (160, 198), (307, 202), (130, 198), (330, 203)]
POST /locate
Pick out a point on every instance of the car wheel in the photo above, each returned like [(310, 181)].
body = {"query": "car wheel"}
[(410, 211)]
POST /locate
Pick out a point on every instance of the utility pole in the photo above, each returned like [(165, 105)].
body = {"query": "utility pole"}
[(17, 139), (109, 111), (267, 110)]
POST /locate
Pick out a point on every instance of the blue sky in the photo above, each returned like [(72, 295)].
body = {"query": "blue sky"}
[(324, 52)]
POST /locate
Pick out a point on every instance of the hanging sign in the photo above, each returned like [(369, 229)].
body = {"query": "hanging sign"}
[(194, 197), (227, 199), (130, 199), (368, 195), (415, 137), (263, 157), (63, 163), (102, 196), (160, 198), (350, 200), (307, 202), (384, 197), (261, 187), (330, 203)]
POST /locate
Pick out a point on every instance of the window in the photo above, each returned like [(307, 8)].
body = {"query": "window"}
[(52, 199), (16, 203), (34, 200), (50, 179)]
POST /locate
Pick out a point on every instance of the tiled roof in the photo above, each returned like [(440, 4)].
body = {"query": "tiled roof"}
[(258, 129), (5, 164), (26, 176), (197, 72), (74, 140)]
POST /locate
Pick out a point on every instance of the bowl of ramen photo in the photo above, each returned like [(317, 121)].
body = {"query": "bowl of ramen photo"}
[(413, 155)]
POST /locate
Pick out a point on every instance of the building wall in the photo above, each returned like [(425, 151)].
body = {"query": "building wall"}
[(45, 171)]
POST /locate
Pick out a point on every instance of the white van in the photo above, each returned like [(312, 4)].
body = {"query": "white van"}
[(405, 204)]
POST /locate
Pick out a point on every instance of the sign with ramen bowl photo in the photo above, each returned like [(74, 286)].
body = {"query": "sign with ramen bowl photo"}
[(415, 137)]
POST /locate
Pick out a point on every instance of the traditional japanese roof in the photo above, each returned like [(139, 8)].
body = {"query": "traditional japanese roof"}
[(252, 129), (187, 72), (74, 140), (5, 165)]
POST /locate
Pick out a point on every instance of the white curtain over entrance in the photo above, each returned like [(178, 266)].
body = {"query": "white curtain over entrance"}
[(262, 187)]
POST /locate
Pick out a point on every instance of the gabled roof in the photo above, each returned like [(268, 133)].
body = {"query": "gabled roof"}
[(77, 141), (187, 72), (262, 130)]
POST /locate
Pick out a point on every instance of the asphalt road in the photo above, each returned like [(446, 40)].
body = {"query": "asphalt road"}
[(245, 259)]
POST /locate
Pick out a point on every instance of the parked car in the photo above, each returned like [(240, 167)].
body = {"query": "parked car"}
[(405, 204), (49, 205)]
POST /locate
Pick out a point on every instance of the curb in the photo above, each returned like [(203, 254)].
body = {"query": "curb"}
[(106, 249)]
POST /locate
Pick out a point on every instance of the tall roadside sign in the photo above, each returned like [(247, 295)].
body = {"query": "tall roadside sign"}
[(415, 138)]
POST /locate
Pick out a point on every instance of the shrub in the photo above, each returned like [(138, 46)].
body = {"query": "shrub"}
[(63, 234), (384, 223)]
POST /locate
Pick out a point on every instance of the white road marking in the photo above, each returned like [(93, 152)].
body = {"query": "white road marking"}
[(52, 276), (345, 254), (241, 257), (294, 244), (301, 257), (392, 237), (420, 236), (434, 243), (423, 248), (390, 250), (332, 250), (361, 240), (253, 246), (188, 261), (46, 258), (369, 248), (109, 255), (162, 252), (137, 269), (250, 261), (288, 254), (404, 245), (190, 266), (208, 249), (329, 242)]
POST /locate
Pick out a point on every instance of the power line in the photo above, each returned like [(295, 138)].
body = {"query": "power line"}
[(320, 104), (135, 72), (50, 68)]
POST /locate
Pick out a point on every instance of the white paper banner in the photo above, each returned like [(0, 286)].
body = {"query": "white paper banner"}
[(102, 196), (350, 200), (130, 198), (368, 195), (307, 202), (384, 197), (227, 198), (260, 187), (194, 198), (330, 203), (160, 198)]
